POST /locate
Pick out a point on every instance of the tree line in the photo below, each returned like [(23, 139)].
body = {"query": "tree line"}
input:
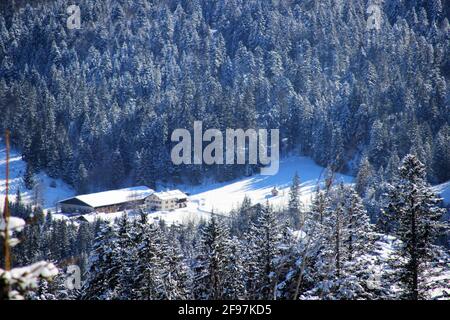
[(329, 250)]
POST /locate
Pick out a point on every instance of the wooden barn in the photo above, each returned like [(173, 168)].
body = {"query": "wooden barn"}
[(107, 201)]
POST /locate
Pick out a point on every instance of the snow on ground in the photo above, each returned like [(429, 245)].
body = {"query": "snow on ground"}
[(50, 195), (444, 191), (223, 197), (218, 197), (190, 214)]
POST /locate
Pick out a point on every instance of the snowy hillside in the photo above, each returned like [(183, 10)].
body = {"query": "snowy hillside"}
[(50, 195), (220, 197), (444, 191), (223, 197), (217, 197)]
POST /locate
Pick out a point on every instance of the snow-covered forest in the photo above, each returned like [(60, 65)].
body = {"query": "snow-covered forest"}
[(95, 107), (329, 251)]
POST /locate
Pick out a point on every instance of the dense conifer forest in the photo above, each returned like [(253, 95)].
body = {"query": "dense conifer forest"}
[(96, 107)]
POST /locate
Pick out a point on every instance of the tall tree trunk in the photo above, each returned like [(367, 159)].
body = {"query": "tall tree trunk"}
[(414, 266)]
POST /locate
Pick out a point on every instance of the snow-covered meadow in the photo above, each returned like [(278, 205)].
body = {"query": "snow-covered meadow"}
[(50, 190), (219, 198), (223, 197)]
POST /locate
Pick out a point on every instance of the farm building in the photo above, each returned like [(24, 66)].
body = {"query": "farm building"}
[(167, 200), (107, 201)]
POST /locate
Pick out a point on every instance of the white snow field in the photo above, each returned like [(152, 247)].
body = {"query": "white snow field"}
[(221, 198), (444, 191), (50, 195)]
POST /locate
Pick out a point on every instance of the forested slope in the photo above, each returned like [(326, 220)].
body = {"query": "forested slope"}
[(97, 106)]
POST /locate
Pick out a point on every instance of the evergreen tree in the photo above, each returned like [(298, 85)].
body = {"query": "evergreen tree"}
[(103, 274), (124, 247), (441, 155), (148, 271), (175, 273), (415, 214), (364, 177), (344, 242), (358, 266), (265, 238), (234, 282), (243, 217), (294, 201), (210, 269), (28, 178)]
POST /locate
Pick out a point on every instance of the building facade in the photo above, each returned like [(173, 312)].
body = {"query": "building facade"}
[(167, 200)]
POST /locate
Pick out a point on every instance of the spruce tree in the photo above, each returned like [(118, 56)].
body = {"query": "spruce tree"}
[(265, 237), (124, 247), (175, 276), (344, 243), (364, 177), (234, 280), (102, 276), (147, 272), (28, 177), (212, 260), (357, 264), (413, 209), (294, 201)]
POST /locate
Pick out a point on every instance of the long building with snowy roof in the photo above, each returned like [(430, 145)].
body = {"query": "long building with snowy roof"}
[(107, 201)]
